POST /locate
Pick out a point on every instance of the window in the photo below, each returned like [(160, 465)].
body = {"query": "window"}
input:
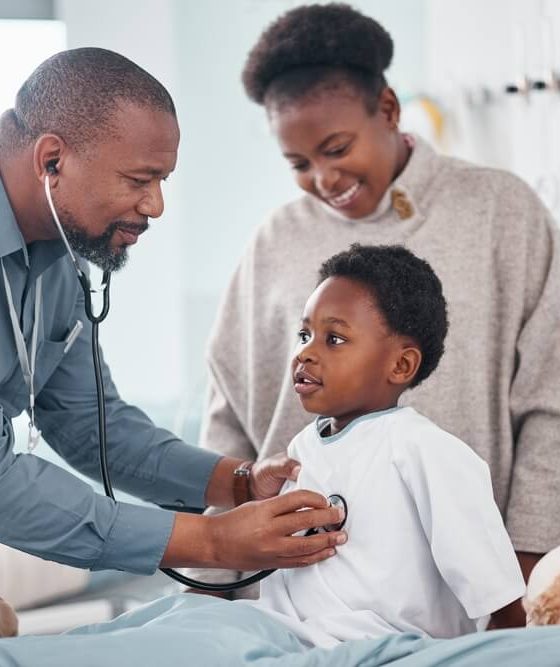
[(24, 44)]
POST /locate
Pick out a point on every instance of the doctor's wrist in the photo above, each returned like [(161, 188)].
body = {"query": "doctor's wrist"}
[(193, 542), (220, 489)]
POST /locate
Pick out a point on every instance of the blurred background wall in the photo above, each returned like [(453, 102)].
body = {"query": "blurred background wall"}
[(230, 175), (453, 62)]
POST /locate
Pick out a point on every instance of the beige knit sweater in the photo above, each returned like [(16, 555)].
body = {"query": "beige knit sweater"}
[(496, 251)]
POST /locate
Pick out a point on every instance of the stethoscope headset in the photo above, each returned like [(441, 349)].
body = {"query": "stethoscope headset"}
[(335, 500)]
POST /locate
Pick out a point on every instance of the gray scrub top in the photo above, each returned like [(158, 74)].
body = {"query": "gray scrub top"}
[(45, 510)]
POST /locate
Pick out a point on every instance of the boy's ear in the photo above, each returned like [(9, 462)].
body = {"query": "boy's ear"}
[(406, 365)]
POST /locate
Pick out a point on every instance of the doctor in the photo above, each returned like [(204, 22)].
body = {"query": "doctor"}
[(105, 133)]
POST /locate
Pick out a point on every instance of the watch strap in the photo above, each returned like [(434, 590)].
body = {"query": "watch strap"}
[(241, 483)]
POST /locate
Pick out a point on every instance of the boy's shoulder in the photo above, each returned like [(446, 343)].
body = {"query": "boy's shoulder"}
[(306, 435), (415, 437)]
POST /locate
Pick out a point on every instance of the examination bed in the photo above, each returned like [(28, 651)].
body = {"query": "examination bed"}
[(187, 629)]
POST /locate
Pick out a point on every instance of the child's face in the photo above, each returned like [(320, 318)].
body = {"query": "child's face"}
[(347, 362)]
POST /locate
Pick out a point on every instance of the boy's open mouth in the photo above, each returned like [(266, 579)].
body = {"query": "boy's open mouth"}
[(305, 383)]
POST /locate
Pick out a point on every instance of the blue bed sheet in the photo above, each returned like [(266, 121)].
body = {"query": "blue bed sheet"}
[(200, 631)]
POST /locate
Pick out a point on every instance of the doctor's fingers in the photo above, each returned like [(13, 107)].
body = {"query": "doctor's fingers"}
[(302, 551), (288, 524), (295, 500)]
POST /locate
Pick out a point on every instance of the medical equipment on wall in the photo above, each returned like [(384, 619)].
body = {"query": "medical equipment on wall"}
[(335, 500)]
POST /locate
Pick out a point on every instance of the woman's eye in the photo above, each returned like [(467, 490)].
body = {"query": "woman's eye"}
[(303, 337), (299, 166), (338, 151), (333, 339)]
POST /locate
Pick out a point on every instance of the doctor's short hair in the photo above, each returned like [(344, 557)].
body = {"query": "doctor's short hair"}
[(406, 292), (75, 95), (314, 48)]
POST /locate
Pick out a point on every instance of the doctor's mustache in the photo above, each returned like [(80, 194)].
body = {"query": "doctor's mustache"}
[(134, 227)]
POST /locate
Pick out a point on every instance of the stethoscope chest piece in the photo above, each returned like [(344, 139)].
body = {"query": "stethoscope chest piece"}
[(336, 500)]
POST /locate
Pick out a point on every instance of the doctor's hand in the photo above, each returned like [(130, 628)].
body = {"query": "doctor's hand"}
[(8, 620), (268, 475), (258, 535)]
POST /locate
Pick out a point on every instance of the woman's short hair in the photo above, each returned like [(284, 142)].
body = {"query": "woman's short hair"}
[(316, 46)]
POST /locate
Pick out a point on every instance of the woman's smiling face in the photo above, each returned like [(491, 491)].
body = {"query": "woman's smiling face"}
[(340, 152)]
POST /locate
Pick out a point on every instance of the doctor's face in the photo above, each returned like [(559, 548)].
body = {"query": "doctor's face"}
[(106, 194), (340, 152), (346, 354)]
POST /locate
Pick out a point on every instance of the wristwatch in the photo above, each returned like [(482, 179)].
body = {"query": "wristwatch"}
[(241, 483)]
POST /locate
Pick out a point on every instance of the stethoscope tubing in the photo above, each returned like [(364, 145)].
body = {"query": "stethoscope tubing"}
[(102, 429), (95, 321)]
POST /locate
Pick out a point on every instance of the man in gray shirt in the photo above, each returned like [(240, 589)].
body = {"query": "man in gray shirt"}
[(104, 133)]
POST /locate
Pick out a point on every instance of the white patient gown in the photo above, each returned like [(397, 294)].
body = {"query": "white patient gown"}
[(427, 550)]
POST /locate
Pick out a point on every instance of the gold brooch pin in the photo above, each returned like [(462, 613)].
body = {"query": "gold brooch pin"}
[(400, 203)]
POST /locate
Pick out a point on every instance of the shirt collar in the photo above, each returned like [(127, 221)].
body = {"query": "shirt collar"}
[(321, 422), (43, 253), (11, 239)]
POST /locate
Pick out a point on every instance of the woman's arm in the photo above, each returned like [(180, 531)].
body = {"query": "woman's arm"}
[(513, 615)]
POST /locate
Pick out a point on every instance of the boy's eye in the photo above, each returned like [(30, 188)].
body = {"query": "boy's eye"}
[(303, 336), (333, 339)]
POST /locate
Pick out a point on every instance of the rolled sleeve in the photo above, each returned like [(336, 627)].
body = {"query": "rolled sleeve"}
[(185, 472), (137, 539), (49, 512)]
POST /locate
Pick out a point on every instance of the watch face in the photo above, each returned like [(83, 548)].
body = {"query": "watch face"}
[(244, 469)]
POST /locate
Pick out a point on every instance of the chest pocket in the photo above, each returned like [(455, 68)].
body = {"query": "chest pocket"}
[(49, 357), (14, 395)]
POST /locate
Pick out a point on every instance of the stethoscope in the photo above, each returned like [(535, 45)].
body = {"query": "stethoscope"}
[(335, 500)]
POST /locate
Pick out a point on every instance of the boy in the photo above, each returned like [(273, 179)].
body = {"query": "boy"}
[(427, 550)]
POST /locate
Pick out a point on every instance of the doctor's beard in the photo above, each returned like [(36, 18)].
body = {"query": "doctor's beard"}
[(97, 249)]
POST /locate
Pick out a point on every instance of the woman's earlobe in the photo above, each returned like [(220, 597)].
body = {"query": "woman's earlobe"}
[(390, 107)]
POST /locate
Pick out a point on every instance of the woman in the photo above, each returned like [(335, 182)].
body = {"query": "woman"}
[(318, 71)]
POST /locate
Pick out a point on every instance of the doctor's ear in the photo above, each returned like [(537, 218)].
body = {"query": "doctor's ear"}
[(406, 365), (48, 155), (51, 167)]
